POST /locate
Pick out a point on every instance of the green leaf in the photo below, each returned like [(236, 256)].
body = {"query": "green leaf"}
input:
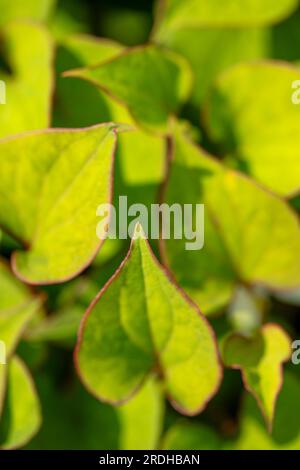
[(176, 14), (31, 9), (258, 130), (21, 416), (17, 307), (138, 322), (153, 93), (286, 429), (191, 436), (51, 185), (29, 53), (260, 359), (239, 218)]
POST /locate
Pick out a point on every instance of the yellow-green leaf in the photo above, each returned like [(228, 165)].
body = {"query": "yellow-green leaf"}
[(51, 185), (260, 359), (140, 321)]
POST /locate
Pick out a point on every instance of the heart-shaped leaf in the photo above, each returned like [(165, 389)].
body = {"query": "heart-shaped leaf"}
[(261, 131), (176, 14), (150, 81), (21, 415), (17, 307), (29, 53), (250, 235), (141, 321), (51, 185), (260, 359)]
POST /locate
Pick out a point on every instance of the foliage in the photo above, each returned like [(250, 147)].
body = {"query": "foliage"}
[(196, 109)]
